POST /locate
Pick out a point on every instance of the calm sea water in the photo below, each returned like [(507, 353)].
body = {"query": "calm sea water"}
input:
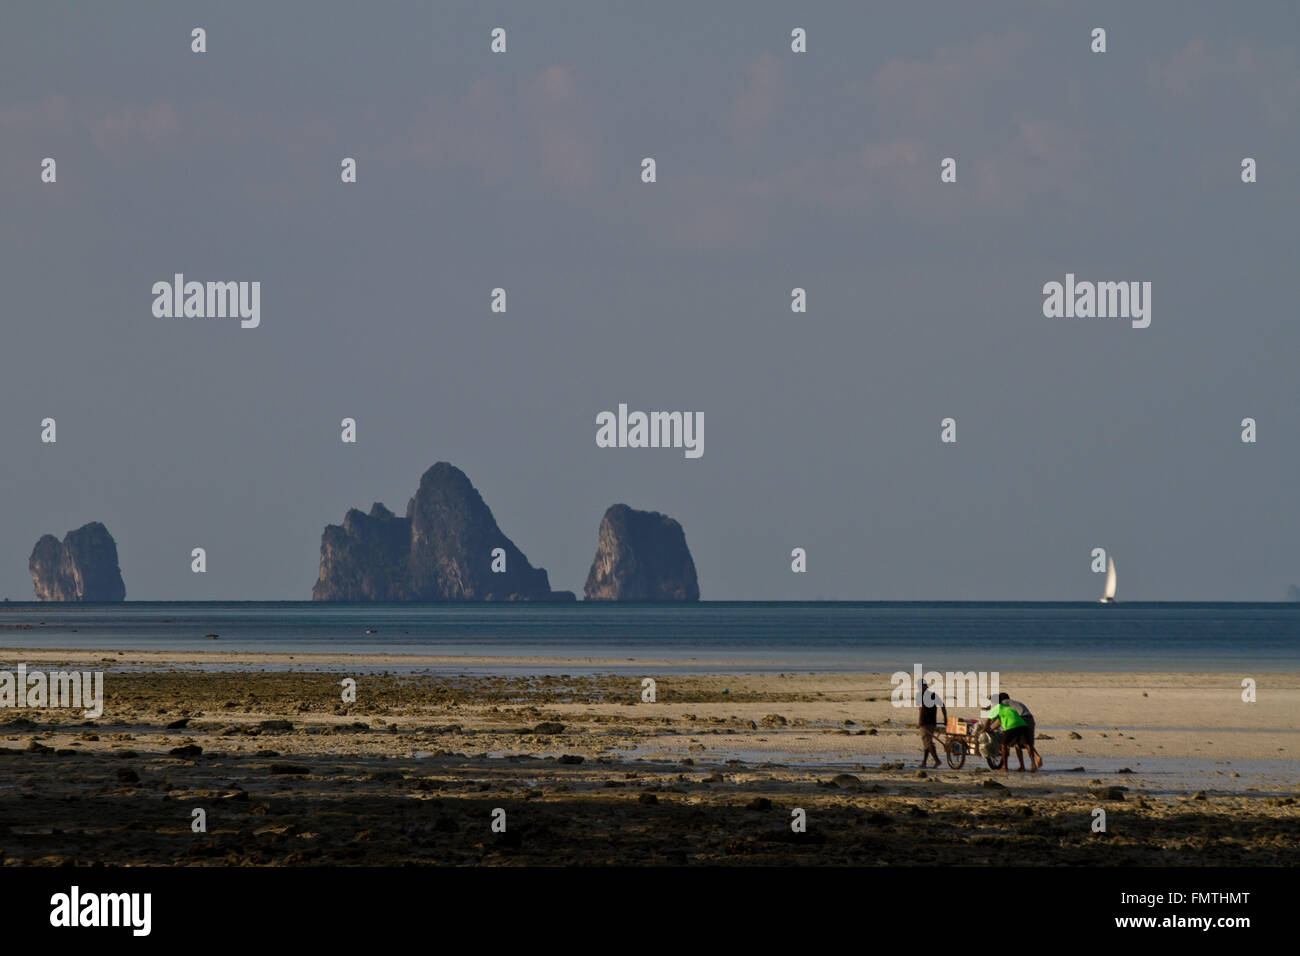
[(755, 637)]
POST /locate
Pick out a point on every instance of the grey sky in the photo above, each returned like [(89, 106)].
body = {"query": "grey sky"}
[(775, 170)]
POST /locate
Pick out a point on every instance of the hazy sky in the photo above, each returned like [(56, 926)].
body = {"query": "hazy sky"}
[(775, 170)]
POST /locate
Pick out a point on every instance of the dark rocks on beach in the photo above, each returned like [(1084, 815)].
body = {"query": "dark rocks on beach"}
[(992, 785), (289, 768), (178, 724), (549, 727), (1107, 793), (188, 752), (441, 551), (641, 556), (1074, 735), (571, 758), (759, 803), (846, 781), (83, 567), (125, 775), (787, 836), (510, 839)]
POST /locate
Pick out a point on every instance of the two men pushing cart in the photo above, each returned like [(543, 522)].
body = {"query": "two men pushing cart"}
[(961, 735)]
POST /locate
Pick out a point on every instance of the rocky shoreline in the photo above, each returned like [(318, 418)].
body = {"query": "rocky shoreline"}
[(411, 772)]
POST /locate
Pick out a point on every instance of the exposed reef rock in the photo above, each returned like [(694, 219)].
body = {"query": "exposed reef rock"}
[(641, 556), (445, 549), (83, 567)]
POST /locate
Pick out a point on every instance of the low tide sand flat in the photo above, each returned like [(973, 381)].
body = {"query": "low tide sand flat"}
[(710, 772)]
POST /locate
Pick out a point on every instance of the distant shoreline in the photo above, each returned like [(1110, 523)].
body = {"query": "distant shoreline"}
[(331, 659), (218, 661), (316, 658), (713, 637)]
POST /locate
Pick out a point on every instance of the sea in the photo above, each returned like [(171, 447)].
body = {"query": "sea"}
[(735, 637)]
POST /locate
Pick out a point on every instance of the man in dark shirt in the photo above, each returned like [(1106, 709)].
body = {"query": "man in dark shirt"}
[(926, 713), (1034, 756)]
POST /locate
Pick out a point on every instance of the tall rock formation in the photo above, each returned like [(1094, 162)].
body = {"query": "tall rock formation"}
[(443, 550), (83, 567), (365, 559), (641, 556)]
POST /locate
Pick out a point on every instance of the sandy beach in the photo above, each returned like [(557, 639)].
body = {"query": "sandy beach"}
[(585, 771)]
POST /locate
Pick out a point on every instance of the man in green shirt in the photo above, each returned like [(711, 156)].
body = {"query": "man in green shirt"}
[(1015, 732)]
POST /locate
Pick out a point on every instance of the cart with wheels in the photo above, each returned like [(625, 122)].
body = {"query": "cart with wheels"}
[(961, 737)]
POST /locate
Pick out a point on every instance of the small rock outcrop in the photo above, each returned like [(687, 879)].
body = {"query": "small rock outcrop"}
[(447, 548), (641, 556), (81, 567), (365, 558)]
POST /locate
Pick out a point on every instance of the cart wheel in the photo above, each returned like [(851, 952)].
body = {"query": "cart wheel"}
[(956, 750), (993, 756)]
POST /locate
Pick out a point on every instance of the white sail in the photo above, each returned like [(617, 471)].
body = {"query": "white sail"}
[(1111, 582)]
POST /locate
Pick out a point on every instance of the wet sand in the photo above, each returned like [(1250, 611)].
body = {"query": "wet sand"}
[(586, 772)]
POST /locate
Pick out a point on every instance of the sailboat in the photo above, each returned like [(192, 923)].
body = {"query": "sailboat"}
[(1109, 596)]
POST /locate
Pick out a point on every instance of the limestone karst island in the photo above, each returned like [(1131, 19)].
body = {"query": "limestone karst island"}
[(81, 567), (448, 547)]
